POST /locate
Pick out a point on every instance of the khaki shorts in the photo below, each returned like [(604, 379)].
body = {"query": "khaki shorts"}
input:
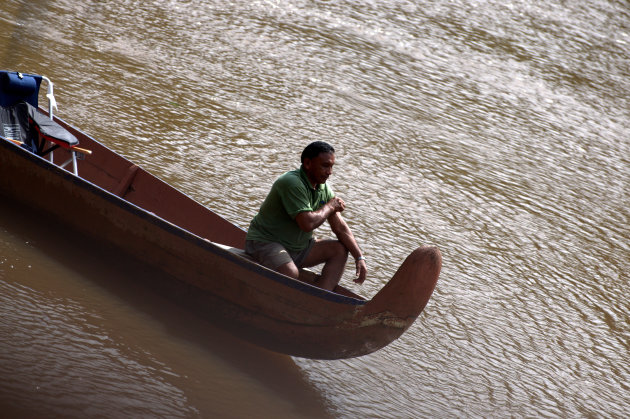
[(274, 255)]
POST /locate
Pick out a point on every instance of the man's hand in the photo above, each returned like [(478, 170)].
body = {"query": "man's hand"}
[(361, 271), (337, 204)]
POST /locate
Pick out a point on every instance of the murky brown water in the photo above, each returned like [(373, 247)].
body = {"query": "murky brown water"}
[(499, 132)]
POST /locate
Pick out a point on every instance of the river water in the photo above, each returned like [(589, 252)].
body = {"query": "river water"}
[(498, 131)]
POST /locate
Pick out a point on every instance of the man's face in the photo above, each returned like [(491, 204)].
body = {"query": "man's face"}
[(319, 168)]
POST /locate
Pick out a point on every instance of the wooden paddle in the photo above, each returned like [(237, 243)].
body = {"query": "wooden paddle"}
[(82, 150)]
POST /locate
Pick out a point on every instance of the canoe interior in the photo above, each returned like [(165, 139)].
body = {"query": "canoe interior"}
[(119, 176), (126, 180)]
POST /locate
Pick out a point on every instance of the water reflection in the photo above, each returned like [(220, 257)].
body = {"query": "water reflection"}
[(83, 331)]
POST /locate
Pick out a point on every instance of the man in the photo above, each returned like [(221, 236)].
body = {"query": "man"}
[(280, 236)]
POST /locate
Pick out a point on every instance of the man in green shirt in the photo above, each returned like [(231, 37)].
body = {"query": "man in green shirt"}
[(280, 236)]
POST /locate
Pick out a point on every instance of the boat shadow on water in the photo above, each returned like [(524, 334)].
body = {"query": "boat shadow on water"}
[(164, 300)]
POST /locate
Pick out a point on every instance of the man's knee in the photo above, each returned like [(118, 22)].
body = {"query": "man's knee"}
[(335, 250), (326, 251), (340, 250)]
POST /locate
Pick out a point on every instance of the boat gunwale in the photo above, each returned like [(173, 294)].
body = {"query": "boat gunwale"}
[(171, 227)]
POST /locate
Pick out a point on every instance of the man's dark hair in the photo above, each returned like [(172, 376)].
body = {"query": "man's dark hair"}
[(315, 148)]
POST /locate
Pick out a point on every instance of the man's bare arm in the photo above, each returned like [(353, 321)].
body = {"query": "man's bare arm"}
[(345, 236), (310, 220)]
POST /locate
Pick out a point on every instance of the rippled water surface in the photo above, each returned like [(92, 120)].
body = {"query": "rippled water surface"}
[(499, 132)]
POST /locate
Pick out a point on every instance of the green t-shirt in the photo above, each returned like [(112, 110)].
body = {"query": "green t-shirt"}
[(290, 195)]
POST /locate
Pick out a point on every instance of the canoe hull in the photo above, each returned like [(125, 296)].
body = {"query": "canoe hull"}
[(257, 304)]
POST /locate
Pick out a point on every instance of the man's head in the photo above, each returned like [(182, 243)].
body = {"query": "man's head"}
[(318, 159), (315, 148)]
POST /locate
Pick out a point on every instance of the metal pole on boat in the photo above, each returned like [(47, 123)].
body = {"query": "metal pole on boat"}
[(52, 103)]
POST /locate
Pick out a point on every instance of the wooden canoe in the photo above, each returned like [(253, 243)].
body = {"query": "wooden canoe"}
[(114, 200)]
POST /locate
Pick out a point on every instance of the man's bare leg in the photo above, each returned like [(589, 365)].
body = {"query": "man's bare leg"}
[(289, 269), (334, 255)]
